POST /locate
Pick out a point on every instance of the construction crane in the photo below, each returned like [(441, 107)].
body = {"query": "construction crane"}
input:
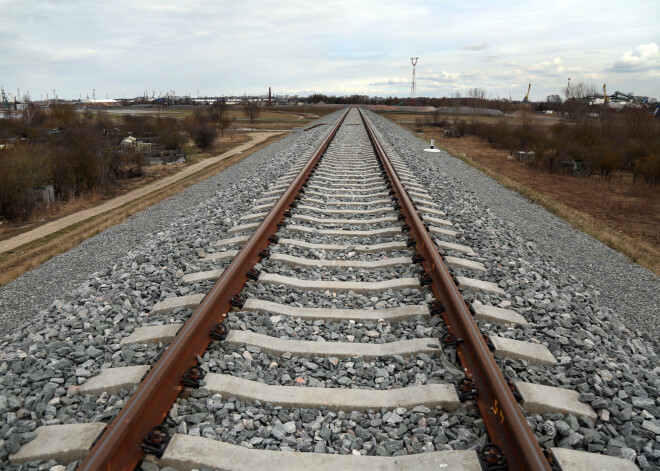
[(5, 102), (526, 100), (605, 99)]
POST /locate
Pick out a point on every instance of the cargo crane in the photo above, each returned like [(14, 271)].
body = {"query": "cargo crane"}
[(5, 102), (5, 98), (526, 100)]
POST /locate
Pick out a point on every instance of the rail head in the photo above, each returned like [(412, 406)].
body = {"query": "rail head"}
[(120, 446), (502, 416)]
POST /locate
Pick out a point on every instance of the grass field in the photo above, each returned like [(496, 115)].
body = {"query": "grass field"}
[(277, 117), (517, 117)]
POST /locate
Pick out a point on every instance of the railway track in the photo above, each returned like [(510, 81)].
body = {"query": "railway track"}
[(327, 323)]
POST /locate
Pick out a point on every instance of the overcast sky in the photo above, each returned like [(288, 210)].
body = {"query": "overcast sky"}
[(124, 48)]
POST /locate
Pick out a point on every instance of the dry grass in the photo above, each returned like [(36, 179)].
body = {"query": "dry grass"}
[(277, 117), (619, 213), (29, 256), (59, 209), (517, 117)]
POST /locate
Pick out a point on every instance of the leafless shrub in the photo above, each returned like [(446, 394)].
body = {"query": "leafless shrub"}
[(251, 111)]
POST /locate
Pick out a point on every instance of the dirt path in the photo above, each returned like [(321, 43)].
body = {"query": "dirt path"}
[(71, 219)]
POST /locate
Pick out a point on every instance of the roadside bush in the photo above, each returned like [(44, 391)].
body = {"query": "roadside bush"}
[(143, 126), (124, 163), (627, 140), (199, 114), (649, 168), (62, 115), (527, 137), (170, 140), (438, 119), (251, 111), (22, 168), (203, 135), (167, 133), (33, 116), (462, 128), (78, 162), (607, 160), (8, 127), (81, 159)]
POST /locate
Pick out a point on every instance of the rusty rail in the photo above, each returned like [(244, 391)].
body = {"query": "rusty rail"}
[(119, 448), (502, 416)]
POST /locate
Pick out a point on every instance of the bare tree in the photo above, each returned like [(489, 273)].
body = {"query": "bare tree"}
[(200, 115), (32, 114), (477, 97), (216, 110), (576, 103), (456, 99), (437, 117), (218, 113), (251, 110), (63, 115)]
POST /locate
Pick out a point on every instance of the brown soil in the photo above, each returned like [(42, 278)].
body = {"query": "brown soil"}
[(621, 213), (629, 207)]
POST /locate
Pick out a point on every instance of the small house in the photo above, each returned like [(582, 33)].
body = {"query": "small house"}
[(130, 141), (143, 146)]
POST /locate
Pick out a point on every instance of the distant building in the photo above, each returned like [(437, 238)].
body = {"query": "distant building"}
[(130, 141), (104, 102), (143, 146)]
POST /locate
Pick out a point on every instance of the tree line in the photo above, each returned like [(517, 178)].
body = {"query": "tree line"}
[(603, 141), (78, 153)]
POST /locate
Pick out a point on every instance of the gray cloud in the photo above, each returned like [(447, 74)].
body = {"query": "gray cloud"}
[(476, 47), (391, 82)]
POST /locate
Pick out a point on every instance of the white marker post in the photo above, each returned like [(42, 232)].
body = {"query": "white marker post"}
[(432, 148)]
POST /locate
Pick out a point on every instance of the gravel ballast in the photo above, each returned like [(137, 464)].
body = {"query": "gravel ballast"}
[(62, 331), (24, 297), (600, 354), (629, 290)]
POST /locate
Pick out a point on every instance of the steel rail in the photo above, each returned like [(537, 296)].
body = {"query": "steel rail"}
[(119, 448), (502, 416)]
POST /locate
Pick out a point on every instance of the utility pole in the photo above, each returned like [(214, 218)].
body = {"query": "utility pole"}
[(413, 86), (54, 96)]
